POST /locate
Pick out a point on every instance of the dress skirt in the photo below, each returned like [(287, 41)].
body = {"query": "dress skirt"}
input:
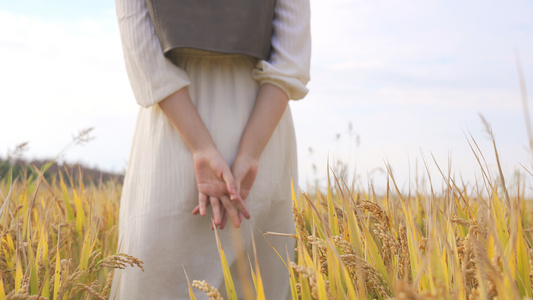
[(159, 193)]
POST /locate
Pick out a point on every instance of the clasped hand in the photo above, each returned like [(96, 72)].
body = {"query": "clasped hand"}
[(222, 188)]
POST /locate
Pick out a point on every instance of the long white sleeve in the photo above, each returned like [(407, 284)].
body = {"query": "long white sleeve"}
[(288, 66), (152, 76)]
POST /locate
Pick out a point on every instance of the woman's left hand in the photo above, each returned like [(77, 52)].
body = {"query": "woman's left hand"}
[(215, 187)]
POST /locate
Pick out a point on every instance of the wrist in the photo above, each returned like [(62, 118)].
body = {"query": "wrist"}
[(245, 159), (203, 150), (249, 153)]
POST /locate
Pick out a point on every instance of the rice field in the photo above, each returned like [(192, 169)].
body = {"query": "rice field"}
[(59, 240)]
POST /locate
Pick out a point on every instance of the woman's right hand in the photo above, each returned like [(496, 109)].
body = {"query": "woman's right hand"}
[(216, 187)]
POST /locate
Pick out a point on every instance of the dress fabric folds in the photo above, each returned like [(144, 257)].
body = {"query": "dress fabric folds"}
[(159, 193)]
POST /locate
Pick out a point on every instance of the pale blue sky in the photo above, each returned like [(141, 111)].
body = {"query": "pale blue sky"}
[(410, 76)]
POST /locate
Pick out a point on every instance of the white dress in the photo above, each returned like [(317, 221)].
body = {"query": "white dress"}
[(159, 193)]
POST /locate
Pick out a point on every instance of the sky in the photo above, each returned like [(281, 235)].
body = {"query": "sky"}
[(392, 83)]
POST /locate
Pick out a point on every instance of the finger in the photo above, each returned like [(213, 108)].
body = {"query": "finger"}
[(202, 200), (196, 210), (237, 190), (224, 220), (238, 180), (241, 206), (213, 225), (215, 206), (230, 183), (230, 210)]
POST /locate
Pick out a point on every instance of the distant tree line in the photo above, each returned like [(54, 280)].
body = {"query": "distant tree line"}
[(23, 169)]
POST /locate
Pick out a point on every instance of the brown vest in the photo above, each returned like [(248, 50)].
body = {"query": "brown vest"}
[(226, 26)]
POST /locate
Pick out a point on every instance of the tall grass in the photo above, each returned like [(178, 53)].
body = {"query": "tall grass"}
[(58, 239), (462, 243)]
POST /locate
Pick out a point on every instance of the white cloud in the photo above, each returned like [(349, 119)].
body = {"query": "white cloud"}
[(413, 75), (60, 76)]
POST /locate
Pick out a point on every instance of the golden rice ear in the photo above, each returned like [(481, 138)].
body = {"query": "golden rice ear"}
[(211, 292)]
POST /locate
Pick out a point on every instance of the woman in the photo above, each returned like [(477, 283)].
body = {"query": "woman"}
[(214, 129)]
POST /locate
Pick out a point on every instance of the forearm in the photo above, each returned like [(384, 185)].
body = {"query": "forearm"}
[(183, 115), (269, 107)]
